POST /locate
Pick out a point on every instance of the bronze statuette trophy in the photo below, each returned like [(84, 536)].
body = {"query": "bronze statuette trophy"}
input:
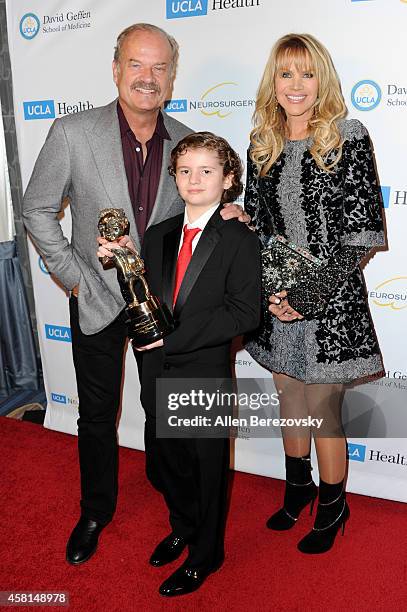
[(147, 319)]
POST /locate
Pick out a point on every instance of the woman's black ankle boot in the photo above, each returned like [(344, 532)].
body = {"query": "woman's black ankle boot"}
[(300, 490), (332, 514)]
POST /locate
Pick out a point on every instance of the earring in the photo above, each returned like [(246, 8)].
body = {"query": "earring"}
[(274, 108)]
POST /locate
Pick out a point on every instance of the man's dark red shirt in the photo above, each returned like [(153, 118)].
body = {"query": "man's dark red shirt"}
[(142, 178)]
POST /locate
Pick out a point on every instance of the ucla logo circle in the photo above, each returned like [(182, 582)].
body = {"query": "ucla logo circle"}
[(366, 95), (42, 265), (29, 26)]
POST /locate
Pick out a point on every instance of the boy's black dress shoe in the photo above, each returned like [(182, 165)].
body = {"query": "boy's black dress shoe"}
[(185, 580), (168, 550), (83, 541)]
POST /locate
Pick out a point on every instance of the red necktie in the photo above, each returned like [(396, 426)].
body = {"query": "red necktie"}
[(184, 257)]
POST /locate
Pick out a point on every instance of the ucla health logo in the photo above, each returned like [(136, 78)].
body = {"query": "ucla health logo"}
[(356, 452), (366, 95), (49, 109), (39, 109), (399, 196), (56, 332), (58, 398), (176, 106), (385, 195), (177, 9), (29, 26)]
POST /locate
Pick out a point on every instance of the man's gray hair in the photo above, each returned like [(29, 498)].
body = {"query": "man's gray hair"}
[(148, 27)]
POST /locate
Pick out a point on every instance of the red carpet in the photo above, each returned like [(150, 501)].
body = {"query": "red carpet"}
[(366, 570)]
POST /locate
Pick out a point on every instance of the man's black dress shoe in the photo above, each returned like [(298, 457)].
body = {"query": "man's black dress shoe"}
[(83, 541), (184, 580), (168, 550)]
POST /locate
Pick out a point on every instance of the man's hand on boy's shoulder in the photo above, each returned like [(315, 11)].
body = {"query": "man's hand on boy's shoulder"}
[(234, 211)]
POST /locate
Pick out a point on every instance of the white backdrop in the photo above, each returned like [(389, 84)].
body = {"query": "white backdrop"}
[(61, 53), (6, 207)]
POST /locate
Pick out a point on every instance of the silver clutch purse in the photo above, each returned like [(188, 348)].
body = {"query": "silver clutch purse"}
[(284, 265)]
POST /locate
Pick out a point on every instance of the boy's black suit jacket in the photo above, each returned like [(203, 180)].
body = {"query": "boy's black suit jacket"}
[(218, 300)]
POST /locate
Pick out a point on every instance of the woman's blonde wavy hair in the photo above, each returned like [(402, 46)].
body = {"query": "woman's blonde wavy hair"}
[(269, 133)]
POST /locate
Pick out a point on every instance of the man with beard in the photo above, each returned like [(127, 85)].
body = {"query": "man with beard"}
[(114, 156)]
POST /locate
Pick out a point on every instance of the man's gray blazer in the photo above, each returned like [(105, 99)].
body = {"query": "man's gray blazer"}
[(82, 159)]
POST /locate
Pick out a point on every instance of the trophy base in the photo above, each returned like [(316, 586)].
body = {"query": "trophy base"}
[(148, 322)]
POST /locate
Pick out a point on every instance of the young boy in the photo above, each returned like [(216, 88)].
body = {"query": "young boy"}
[(208, 271)]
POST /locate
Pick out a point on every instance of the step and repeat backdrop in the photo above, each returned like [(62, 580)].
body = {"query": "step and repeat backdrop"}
[(61, 52)]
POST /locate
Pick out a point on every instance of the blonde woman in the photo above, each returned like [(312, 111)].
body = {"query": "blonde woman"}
[(311, 178)]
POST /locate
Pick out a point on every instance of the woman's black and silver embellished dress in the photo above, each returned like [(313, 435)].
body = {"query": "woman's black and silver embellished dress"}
[(337, 217)]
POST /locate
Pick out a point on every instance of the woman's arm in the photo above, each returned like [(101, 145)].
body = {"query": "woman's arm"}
[(311, 298), (362, 224)]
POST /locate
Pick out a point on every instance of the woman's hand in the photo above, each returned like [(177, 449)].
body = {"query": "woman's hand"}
[(234, 211), (105, 248), (148, 347), (281, 309)]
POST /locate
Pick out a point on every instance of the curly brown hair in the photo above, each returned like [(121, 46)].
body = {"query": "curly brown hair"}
[(227, 156)]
